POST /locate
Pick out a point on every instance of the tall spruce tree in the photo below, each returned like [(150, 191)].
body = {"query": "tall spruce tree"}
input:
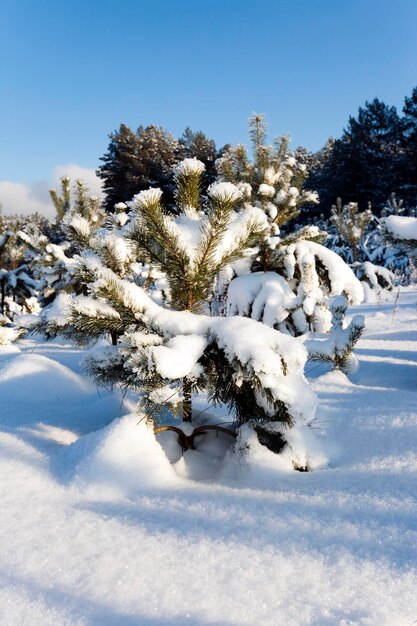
[(137, 160), (409, 164), (119, 167), (195, 144), (364, 165)]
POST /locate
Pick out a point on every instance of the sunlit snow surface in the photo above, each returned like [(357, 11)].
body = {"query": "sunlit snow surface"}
[(97, 527)]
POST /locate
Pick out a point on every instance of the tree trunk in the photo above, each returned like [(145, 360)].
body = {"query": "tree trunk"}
[(355, 253), (187, 402)]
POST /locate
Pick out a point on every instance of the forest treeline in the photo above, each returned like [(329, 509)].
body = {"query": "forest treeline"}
[(375, 156)]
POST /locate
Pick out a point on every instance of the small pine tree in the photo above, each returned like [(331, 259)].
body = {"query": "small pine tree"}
[(17, 286), (79, 217), (168, 352), (351, 224), (273, 182), (338, 349)]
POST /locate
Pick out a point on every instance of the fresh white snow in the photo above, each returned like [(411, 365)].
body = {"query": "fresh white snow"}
[(99, 528), (401, 226)]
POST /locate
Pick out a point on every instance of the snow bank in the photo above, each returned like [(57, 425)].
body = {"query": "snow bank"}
[(401, 227), (124, 457), (29, 378), (8, 335), (253, 464)]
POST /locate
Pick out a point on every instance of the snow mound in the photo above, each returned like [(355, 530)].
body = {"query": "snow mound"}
[(264, 467), (124, 457), (401, 227), (8, 335), (8, 350), (29, 378)]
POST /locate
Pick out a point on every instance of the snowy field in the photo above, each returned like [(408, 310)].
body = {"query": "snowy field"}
[(98, 528)]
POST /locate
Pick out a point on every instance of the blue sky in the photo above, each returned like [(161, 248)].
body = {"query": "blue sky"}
[(72, 71)]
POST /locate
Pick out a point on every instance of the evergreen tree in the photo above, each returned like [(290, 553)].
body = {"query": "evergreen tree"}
[(351, 224), (338, 349), (409, 164), (293, 274), (79, 217), (323, 174), (170, 351), (17, 286), (197, 145), (273, 180), (402, 232), (135, 161), (119, 164), (364, 165)]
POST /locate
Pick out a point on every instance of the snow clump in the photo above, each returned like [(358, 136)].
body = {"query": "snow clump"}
[(224, 192), (188, 167)]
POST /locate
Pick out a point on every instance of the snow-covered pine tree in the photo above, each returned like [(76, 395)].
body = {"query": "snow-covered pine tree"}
[(79, 217), (359, 232), (338, 349), (402, 232), (17, 286), (293, 275), (192, 247), (273, 180), (380, 264), (168, 352), (351, 224)]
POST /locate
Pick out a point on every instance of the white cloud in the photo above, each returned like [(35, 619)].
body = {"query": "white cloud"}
[(88, 175), (26, 198), (23, 199)]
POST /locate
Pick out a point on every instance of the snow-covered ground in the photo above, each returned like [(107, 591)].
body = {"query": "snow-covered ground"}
[(107, 532)]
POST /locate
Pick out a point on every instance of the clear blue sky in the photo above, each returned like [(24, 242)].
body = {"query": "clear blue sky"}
[(71, 71)]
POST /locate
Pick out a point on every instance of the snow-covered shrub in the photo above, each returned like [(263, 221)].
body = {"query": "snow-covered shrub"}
[(338, 348), (79, 217), (376, 280), (295, 305), (17, 286), (351, 224), (402, 231), (372, 247)]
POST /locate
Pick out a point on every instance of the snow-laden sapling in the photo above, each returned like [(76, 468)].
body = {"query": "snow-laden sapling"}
[(170, 350), (351, 224), (337, 350), (288, 279), (17, 286), (79, 217), (402, 232)]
